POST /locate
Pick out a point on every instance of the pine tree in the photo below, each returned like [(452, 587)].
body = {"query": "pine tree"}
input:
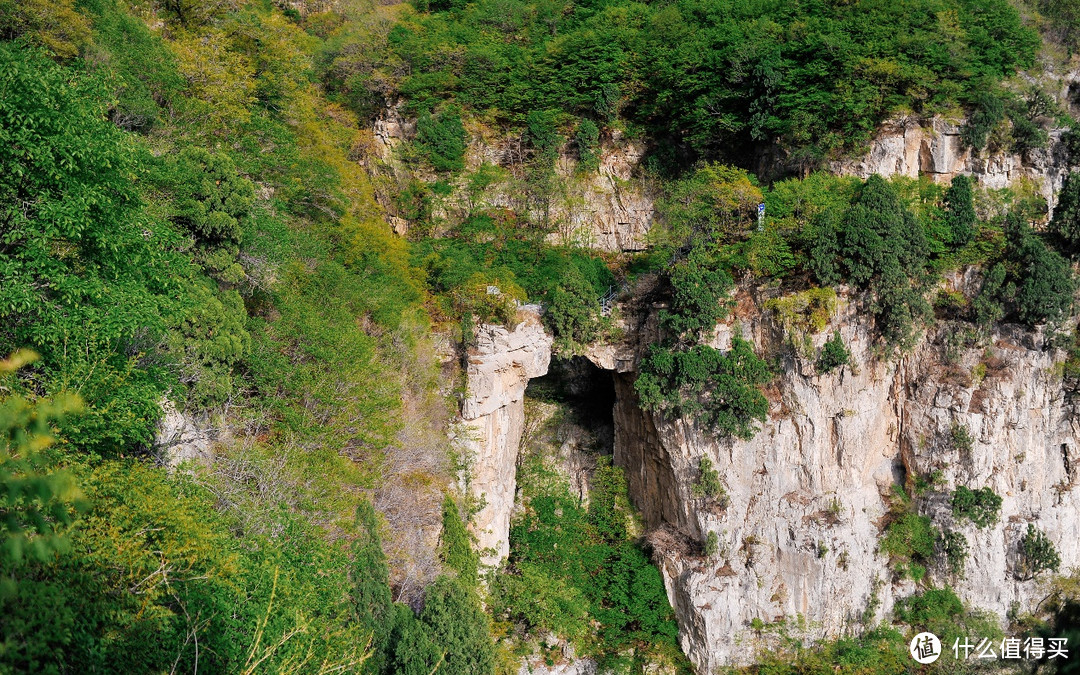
[(1066, 221), (960, 210), (372, 601)]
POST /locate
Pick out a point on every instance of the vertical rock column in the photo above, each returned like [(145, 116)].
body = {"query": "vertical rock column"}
[(493, 416)]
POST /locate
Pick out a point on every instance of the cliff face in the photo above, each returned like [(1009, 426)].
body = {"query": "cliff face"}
[(609, 209), (492, 420), (912, 147), (807, 496)]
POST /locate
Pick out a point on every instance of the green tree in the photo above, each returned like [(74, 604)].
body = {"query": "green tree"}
[(1044, 283), (833, 355), (211, 198), (456, 546), (587, 141), (1065, 224), (38, 502), (573, 313), (981, 506), (700, 289), (1037, 554), (960, 210), (372, 601), (458, 626), (880, 246), (441, 138)]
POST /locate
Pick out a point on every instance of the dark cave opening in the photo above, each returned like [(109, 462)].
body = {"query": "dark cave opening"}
[(586, 391)]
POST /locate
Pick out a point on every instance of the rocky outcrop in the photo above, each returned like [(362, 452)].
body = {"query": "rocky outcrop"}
[(610, 208), (492, 420), (182, 437), (808, 496), (912, 147)]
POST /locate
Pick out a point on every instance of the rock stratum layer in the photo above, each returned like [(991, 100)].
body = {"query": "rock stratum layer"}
[(808, 496)]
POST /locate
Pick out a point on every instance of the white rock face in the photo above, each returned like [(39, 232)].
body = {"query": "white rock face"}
[(181, 437), (808, 494), (493, 416), (911, 146)]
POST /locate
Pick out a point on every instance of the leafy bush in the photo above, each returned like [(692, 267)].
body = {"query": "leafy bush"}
[(712, 544), (578, 572), (833, 354), (879, 245), (707, 484), (211, 198), (586, 141), (1065, 224), (961, 439), (720, 389), (960, 211), (441, 138), (1037, 555), (573, 313), (954, 546), (909, 542), (699, 298), (981, 506), (1044, 283)]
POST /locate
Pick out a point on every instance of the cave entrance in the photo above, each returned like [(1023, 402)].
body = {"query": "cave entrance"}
[(585, 391)]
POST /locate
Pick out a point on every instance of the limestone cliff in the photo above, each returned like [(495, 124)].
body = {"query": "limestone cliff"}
[(911, 146), (492, 419), (610, 208), (807, 496)]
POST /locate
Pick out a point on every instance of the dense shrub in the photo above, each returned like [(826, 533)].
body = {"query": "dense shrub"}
[(833, 355), (879, 245), (1037, 554), (720, 389), (960, 211), (909, 541), (981, 506), (441, 137), (578, 573)]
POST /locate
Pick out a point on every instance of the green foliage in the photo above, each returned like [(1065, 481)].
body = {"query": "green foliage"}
[(982, 506), (961, 439), (700, 299), (954, 547), (804, 313), (458, 627), (716, 202), (441, 138), (579, 573), (909, 542), (879, 245), (707, 484), (1037, 554), (39, 501), (833, 354), (1065, 224), (456, 545), (211, 199), (720, 389), (90, 280), (1044, 283), (881, 650), (587, 141), (370, 576), (712, 544), (684, 70), (960, 211), (573, 313)]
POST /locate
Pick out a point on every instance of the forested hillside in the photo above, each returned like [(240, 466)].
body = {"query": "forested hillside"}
[(195, 217)]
